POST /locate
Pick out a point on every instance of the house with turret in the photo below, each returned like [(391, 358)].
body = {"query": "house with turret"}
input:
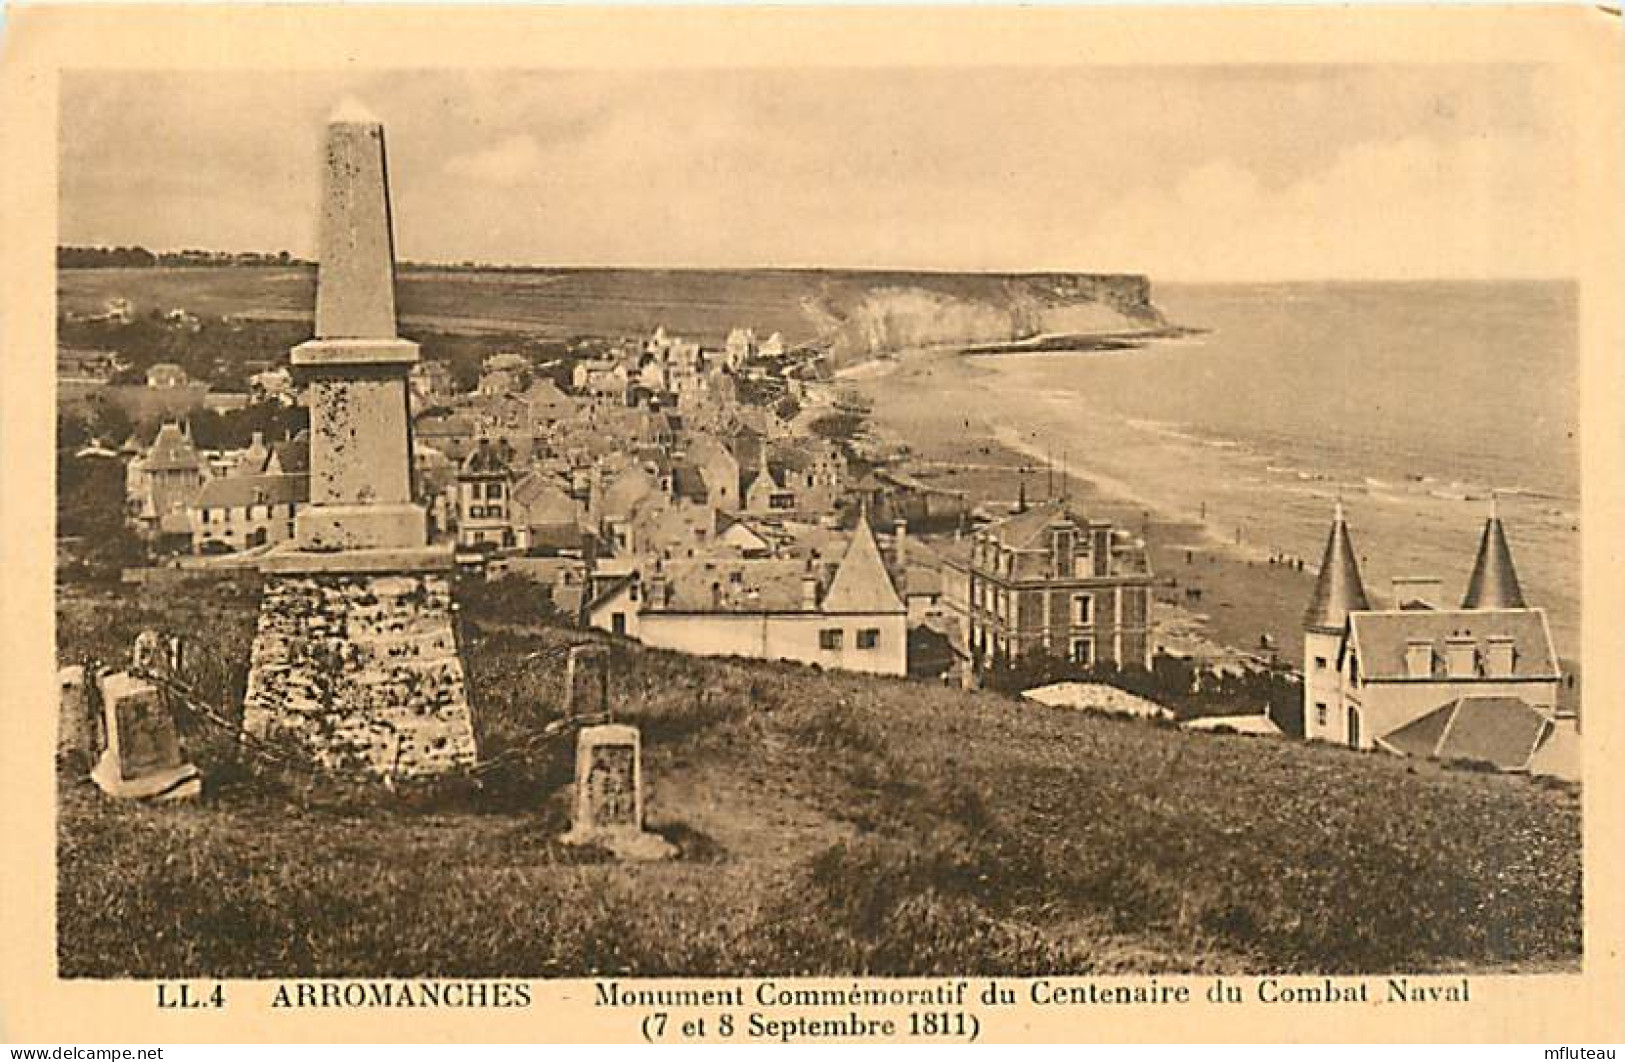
[(163, 482), (1474, 682)]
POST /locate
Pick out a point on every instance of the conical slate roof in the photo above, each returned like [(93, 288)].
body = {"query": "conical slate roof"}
[(1338, 590), (861, 583), (1494, 582), (172, 451)]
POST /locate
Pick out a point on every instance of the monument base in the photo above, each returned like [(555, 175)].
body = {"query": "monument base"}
[(290, 560), (359, 527), (174, 783), (624, 842), (360, 669)]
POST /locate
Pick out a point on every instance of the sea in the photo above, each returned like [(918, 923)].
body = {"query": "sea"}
[(1409, 402)]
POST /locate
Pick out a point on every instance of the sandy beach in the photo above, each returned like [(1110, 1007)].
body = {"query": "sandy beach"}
[(1208, 590)]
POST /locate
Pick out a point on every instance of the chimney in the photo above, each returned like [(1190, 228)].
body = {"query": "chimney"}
[(1461, 656), (1417, 591), (809, 593), (900, 545), (1500, 656), (259, 440), (1419, 658)]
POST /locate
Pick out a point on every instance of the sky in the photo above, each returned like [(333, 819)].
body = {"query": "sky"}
[(1234, 173)]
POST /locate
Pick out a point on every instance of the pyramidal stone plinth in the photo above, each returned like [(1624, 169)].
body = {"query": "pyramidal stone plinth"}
[(356, 657)]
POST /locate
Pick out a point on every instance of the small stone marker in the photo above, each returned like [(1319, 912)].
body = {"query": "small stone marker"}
[(609, 795), (148, 652), (143, 755), (155, 654), (586, 681)]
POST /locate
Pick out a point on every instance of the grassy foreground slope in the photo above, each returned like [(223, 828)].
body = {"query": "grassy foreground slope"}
[(829, 824)]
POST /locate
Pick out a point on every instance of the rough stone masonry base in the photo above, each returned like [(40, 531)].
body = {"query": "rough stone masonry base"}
[(362, 672)]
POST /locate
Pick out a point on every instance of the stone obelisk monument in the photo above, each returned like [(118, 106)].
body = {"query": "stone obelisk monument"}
[(356, 656)]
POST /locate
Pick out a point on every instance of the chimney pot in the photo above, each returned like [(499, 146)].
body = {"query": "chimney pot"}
[(1419, 659), (1500, 657)]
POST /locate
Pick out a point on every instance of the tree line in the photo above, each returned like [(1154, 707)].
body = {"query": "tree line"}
[(72, 257)]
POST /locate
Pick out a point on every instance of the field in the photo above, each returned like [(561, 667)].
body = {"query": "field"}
[(803, 304), (828, 824)]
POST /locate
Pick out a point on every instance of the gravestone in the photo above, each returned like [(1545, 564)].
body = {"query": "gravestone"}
[(586, 681), (609, 795), (143, 757)]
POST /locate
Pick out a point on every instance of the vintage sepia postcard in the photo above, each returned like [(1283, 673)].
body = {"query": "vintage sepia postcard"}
[(794, 525)]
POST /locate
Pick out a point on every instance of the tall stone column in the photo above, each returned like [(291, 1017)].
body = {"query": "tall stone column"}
[(356, 367), (356, 656)]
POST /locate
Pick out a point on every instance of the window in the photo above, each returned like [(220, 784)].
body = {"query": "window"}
[(1083, 651), (493, 490), (1320, 713), (831, 639), (1320, 663), (869, 638), (1083, 609)]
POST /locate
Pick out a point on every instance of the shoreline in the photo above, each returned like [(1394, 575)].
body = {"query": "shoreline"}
[(1084, 342), (1215, 600)]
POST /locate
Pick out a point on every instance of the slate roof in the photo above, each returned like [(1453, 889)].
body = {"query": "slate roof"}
[(1338, 589), (688, 482), (293, 455), (861, 583), (234, 492), (444, 424), (922, 580), (625, 490), (1381, 639), (489, 458), (726, 585), (1030, 530), (1494, 582), (171, 451), (1499, 730), (545, 393)]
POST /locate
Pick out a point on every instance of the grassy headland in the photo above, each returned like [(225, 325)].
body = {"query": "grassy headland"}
[(828, 824)]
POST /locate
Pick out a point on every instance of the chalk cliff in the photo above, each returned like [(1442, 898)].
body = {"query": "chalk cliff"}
[(864, 316)]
